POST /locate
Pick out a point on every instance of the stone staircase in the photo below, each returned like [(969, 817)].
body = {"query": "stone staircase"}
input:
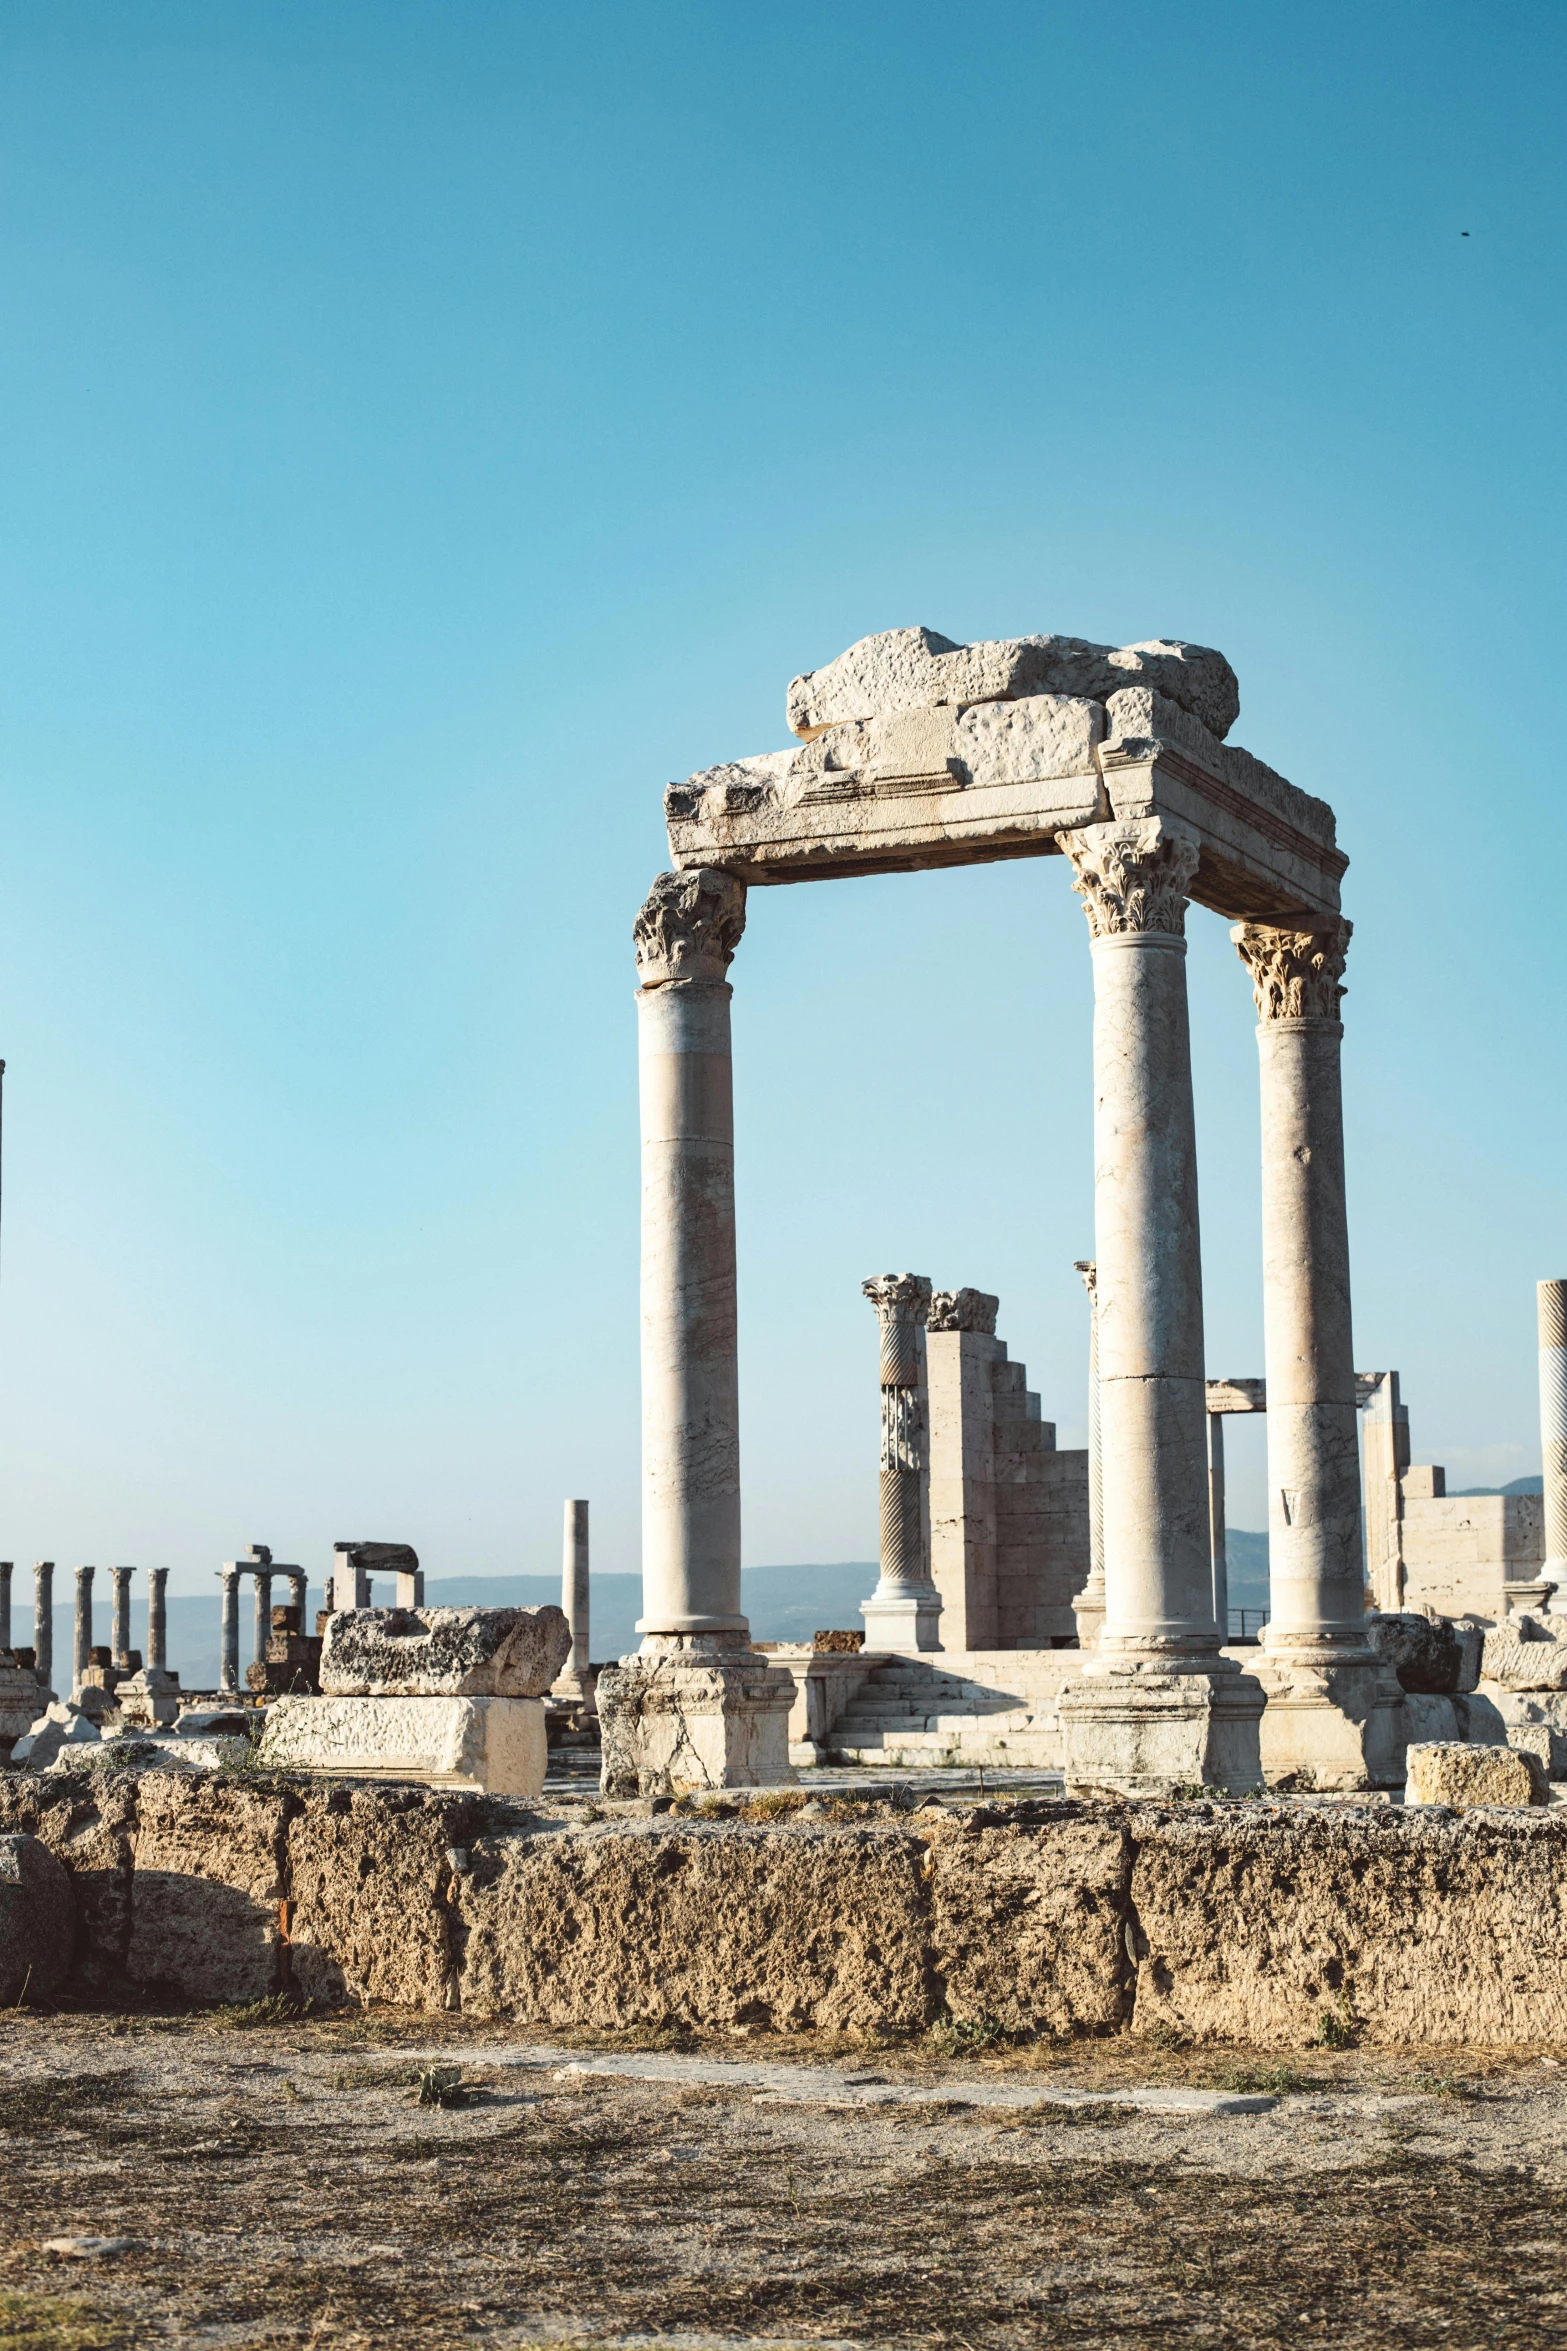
[(997, 1708)]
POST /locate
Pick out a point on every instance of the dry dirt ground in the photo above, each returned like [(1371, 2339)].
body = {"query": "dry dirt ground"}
[(283, 2187)]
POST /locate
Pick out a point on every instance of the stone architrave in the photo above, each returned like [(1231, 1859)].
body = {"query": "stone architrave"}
[(1551, 1301), (961, 1354), (904, 1611), (1157, 1706), (1089, 1606), (696, 1708), (1335, 1718)]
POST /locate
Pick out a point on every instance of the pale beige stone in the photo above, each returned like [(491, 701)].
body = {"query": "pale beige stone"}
[(1463, 1777), (497, 1744), (676, 1719)]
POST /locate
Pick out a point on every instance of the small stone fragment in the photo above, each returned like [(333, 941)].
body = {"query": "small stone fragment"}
[(90, 2248), (1464, 1778)]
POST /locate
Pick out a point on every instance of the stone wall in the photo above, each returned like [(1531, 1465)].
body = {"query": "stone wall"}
[(1232, 1921)]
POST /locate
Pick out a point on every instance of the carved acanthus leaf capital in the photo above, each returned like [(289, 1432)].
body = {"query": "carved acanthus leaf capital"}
[(1295, 975), (902, 1302), (1089, 1269), (689, 926), (1132, 877), (964, 1310)]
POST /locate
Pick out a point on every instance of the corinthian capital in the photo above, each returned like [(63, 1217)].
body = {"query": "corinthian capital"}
[(1132, 876), (1295, 975), (964, 1310), (689, 926), (902, 1302)]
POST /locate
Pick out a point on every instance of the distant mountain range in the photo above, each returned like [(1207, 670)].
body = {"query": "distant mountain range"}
[(1534, 1485)]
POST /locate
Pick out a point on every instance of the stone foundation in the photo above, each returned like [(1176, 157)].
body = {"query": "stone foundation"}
[(1243, 1921)]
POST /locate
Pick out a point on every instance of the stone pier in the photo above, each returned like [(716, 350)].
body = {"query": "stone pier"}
[(1335, 1715), (696, 1707), (904, 1611), (1157, 1706), (1551, 1298)]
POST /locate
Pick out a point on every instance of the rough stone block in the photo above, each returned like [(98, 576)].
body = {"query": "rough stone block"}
[(37, 1921), (443, 1652), (1536, 1719), (371, 1876), (62, 1725), (1447, 1772), (1430, 1654), (912, 669), (795, 1929), (683, 1720), (209, 1881), (86, 1820), (21, 1702), (1027, 1922), (496, 1744), (1514, 1662), (1139, 1733)]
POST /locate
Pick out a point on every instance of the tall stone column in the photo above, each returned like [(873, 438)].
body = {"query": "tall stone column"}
[(1217, 1538), (697, 1708), (1551, 1299), (5, 1603), (43, 1620), (961, 1354), (297, 1587), (228, 1631), (904, 1611), (81, 1654), (1335, 1717), (158, 1619), (120, 1636), (1089, 1606), (573, 1685), (1157, 1706), (261, 1614)]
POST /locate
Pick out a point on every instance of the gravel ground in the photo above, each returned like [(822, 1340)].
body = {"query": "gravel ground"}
[(280, 2184)]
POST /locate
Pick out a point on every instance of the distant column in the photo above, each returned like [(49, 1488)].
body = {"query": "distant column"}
[(1089, 1606), (261, 1618), (296, 1593), (81, 1660), (5, 1603), (43, 1619), (157, 1619), (120, 1635), (575, 1591), (904, 1611), (1552, 1302), (228, 1639)]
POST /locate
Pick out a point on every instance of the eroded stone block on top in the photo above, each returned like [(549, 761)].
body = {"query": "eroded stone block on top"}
[(1465, 1777), (913, 669), (443, 1652)]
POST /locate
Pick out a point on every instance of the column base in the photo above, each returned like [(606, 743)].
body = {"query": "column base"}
[(1152, 1728), (575, 1690), (902, 1617), (1335, 1724), (677, 1720), (1089, 1609)]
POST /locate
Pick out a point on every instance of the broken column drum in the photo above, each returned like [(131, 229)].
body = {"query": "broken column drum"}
[(1315, 1642), (696, 1708), (1551, 1298), (904, 1610)]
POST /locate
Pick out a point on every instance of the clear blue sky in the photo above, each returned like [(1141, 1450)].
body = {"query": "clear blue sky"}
[(427, 428)]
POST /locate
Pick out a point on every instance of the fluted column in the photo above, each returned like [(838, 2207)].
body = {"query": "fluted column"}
[(904, 1611), (1089, 1605), (1551, 1299), (228, 1631), (81, 1653), (1152, 1397), (1316, 1574), (685, 938), (43, 1620), (120, 1636)]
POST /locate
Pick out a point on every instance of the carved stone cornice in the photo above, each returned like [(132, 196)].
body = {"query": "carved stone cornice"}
[(689, 926), (964, 1310), (1133, 877), (1295, 975)]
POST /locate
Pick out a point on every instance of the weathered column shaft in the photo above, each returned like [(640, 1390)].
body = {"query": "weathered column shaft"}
[(1551, 1298), (43, 1619), (228, 1630), (904, 1610), (5, 1603), (120, 1637), (685, 938), (1216, 1529), (1315, 1571), (261, 1615), (575, 1591), (157, 1619), (1152, 1409), (1089, 1605), (81, 1656), (297, 1591)]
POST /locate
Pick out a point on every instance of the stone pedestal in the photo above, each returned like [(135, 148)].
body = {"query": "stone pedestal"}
[(1157, 1708), (686, 1716), (1335, 1714), (494, 1744)]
